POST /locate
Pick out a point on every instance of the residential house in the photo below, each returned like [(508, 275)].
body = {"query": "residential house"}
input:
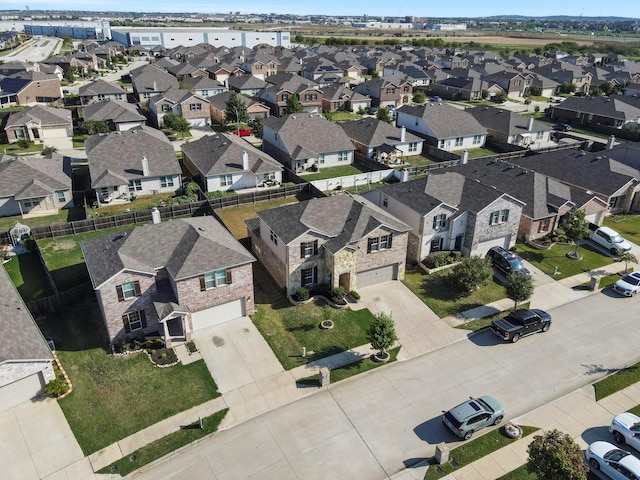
[(222, 72), (169, 278), (383, 92), (246, 85), (226, 162), (149, 81), (124, 165), (338, 97), (463, 88), (39, 124), (29, 88), (614, 110), (284, 86), (25, 357), (218, 106), (443, 126), (305, 141), (261, 65), (409, 72), (184, 103), (338, 241), (203, 86), (514, 83), (566, 73), (101, 90), (34, 187), (510, 127), (381, 141), (119, 116), (451, 212)]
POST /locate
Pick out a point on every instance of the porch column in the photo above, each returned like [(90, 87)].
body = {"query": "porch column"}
[(167, 338), (186, 327)]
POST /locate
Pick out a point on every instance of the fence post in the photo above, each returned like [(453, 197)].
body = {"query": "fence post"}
[(73, 227)]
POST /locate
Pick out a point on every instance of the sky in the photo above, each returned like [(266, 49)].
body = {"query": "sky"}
[(428, 8)]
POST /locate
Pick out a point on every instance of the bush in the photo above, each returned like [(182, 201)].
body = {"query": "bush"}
[(338, 294), (471, 273), (23, 143), (355, 295), (56, 387), (302, 294), (440, 259), (48, 150)]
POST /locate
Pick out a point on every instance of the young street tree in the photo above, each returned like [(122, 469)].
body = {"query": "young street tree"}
[(577, 227), (470, 273), (382, 333), (419, 97), (627, 257), (383, 114), (554, 455), (176, 123), (293, 105), (519, 288), (235, 110)]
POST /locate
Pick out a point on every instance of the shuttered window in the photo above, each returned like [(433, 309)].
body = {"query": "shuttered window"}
[(128, 290), (133, 321)]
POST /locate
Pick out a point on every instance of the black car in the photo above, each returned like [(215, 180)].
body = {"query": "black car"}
[(507, 262), (562, 127), (520, 323)]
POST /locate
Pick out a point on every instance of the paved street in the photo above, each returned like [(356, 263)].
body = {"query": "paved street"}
[(377, 424)]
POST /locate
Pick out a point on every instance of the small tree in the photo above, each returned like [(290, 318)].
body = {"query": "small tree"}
[(577, 227), (419, 97), (176, 123), (499, 97), (470, 273), (48, 150), (235, 110), (535, 90), (627, 257), (556, 456), (91, 127), (293, 105), (382, 333), (519, 288), (256, 126), (383, 114)]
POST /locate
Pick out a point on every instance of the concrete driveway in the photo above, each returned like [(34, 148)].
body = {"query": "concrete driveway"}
[(419, 329), (37, 443)]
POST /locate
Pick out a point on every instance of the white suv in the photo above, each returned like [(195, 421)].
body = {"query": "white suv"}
[(625, 429)]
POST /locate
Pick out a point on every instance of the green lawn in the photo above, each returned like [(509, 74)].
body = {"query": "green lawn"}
[(332, 172), (473, 450), (288, 328), (480, 323), (78, 140), (435, 291), (142, 202), (63, 216), (116, 396), (620, 379), (482, 152), (521, 473), (547, 260), (626, 225), (341, 116), (64, 259), (27, 274), (14, 149)]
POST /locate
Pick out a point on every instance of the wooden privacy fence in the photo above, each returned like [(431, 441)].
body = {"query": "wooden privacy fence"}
[(61, 301)]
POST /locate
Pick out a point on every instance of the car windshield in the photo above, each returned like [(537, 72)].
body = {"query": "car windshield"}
[(453, 420), (617, 239), (631, 280), (516, 264), (615, 455)]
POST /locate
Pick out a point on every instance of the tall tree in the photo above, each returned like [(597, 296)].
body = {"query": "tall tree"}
[(577, 227), (235, 110), (293, 105), (554, 455), (383, 114)]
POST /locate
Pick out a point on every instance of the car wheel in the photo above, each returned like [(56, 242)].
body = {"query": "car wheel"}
[(497, 420), (619, 438), (545, 327), (633, 294), (515, 338), (468, 435), (614, 251), (594, 463)]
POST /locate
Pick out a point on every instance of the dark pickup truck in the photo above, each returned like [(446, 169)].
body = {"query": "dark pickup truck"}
[(520, 323)]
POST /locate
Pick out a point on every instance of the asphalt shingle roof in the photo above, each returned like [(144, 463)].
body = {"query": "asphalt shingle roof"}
[(19, 175), (505, 121), (374, 132), (100, 87), (116, 112), (45, 116), (444, 120)]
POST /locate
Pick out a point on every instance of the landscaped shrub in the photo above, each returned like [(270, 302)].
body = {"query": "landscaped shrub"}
[(355, 295), (23, 143), (302, 294), (56, 387), (191, 346), (440, 259), (338, 294), (164, 356)]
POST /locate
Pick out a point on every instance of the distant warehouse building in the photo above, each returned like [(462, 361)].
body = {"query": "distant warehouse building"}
[(170, 37), (99, 30)]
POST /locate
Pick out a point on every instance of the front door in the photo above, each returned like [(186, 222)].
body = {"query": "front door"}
[(345, 281), (174, 326)]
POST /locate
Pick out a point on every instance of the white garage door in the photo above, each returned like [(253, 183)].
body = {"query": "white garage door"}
[(377, 275), (217, 315), (592, 218), (483, 247), (20, 391), (54, 133), (198, 122)]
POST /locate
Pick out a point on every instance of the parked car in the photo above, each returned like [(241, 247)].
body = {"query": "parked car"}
[(562, 127), (610, 239), (520, 323), (628, 285), (625, 429), (617, 464), (372, 110), (507, 262), (435, 98), (474, 414), (243, 131)]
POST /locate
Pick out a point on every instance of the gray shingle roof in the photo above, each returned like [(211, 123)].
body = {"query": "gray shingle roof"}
[(373, 132), (122, 153), (614, 106), (344, 219), (19, 175), (220, 101), (149, 79), (20, 337), (100, 87), (45, 116), (222, 154), (505, 121), (444, 120), (186, 247), (116, 112)]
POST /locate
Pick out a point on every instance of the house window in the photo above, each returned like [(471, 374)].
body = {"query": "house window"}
[(226, 180), (274, 237), (517, 83), (285, 97), (31, 202), (308, 276), (308, 249), (118, 96), (477, 139), (343, 156), (385, 241), (215, 279), (310, 96), (134, 321), (379, 243), (544, 225), (391, 91), (62, 198), (258, 67), (195, 106), (19, 133), (441, 144), (166, 182), (413, 147), (165, 107), (436, 244), (499, 216), (385, 201), (128, 290), (439, 221), (458, 141), (135, 185)]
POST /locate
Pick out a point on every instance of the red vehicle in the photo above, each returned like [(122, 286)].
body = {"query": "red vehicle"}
[(243, 131)]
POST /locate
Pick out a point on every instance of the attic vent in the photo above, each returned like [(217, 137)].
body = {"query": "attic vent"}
[(589, 192), (582, 154), (201, 229), (485, 108), (293, 116), (598, 157)]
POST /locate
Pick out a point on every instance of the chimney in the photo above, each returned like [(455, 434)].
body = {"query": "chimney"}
[(403, 132), (530, 124), (145, 166), (611, 141), (245, 161), (465, 158)]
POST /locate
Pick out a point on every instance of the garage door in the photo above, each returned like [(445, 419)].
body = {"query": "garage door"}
[(20, 391), (483, 247), (377, 275), (198, 122), (592, 217), (217, 315), (54, 133)]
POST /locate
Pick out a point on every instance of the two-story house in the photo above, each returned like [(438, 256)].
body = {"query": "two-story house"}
[(383, 93), (30, 88), (101, 90), (184, 103), (150, 80), (170, 278), (341, 240)]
